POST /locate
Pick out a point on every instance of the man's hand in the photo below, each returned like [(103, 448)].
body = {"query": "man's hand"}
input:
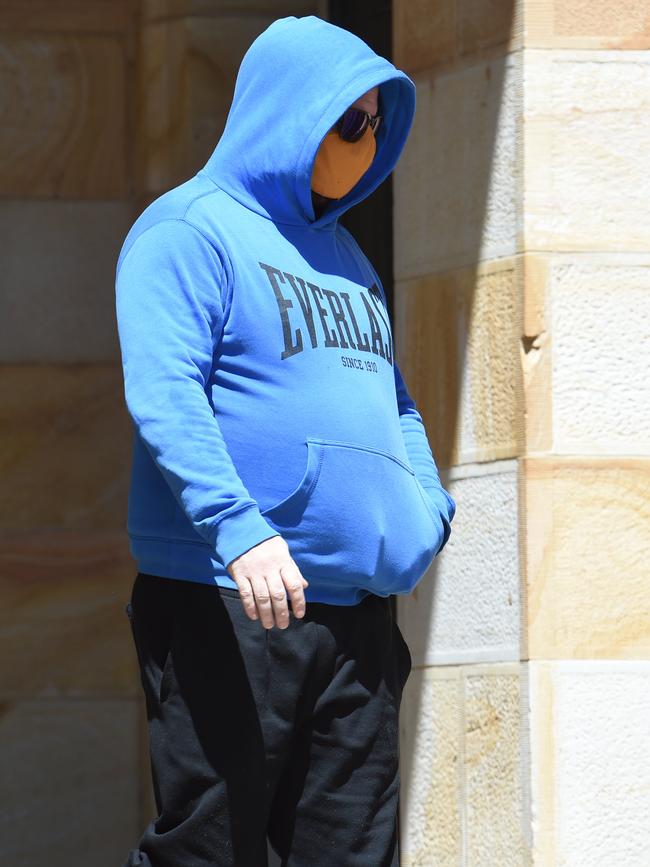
[(263, 576)]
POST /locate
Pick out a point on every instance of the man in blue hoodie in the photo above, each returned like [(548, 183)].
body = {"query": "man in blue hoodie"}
[(280, 467)]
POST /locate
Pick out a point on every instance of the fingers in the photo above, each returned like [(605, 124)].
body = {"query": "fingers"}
[(264, 575), (271, 600), (295, 584), (265, 598), (247, 597)]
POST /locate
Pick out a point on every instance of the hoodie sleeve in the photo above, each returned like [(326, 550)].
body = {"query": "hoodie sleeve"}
[(170, 290), (420, 456)]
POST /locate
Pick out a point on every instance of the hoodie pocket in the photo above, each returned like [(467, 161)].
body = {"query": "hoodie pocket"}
[(358, 516)]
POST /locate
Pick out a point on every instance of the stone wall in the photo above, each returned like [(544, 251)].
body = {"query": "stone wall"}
[(523, 320), (522, 323), (106, 103)]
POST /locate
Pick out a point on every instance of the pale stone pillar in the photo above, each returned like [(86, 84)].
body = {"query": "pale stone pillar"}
[(523, 330), (68, 678)]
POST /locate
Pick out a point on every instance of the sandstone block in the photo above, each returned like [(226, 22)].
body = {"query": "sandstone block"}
[(63, 628), (59, 305), (69, 783), (458, 345), (590, 761), (586, 525), (586, 128), (466, 608), (66, 97), (65, 449), (456, 186)]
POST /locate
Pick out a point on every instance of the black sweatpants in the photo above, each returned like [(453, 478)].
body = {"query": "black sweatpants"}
[(288, 733)]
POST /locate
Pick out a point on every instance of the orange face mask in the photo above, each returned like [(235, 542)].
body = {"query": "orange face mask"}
[(339, 164)]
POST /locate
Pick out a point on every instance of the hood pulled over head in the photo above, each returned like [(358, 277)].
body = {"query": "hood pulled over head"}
[(295, 81)]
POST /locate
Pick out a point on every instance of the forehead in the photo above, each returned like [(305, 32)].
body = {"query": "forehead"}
[(369, 101)]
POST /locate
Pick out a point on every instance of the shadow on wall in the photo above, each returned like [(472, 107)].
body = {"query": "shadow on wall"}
[(111, 104), (458, 332)]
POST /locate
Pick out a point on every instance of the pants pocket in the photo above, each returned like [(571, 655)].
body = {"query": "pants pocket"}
[(152, 631)]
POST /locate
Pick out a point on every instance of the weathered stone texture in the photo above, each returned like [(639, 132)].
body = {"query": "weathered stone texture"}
[(586, 133), (63, 628), (456, 185), (458, 346), (600, 322), (154, 9), (65, 455), (591, 764), (494, 770), (63, 133), (587, 537), (57, 293), (431, 738), (69, 791), (189, 67), (428, 34), (463, 798), (466, 608), (587, 24)]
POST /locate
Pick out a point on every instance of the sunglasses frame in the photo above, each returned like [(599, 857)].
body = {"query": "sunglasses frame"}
[(374, 121)]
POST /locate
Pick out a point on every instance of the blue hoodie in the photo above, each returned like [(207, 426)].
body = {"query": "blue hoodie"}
[(257, 352)]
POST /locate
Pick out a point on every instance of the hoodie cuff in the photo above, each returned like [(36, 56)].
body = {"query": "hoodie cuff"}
[(240, 532), (442, 500), (446, 507)]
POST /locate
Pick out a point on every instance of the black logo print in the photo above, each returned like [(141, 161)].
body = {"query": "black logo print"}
[(326, 318)]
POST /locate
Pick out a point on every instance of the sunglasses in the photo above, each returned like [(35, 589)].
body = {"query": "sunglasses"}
[(354, 122)]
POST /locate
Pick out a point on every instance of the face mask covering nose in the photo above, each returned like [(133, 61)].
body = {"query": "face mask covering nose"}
[(340, 164)]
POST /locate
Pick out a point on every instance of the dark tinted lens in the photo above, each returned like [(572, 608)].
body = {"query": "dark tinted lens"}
[(352, 124)]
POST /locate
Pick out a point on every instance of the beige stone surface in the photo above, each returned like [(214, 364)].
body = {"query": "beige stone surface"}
[(457, 186), (536, 353), (464, 768), (586, 340), (79, 16), (488, 24), (494, 769), (586, 524), (590, 762), (63, 130), (431, 35), (600, 322), (587, 24), (585, 134), (63, 628), (424, 33), (466, 608), (430, 761), (157, 9), (65, 448), (458, 346), (69, 792), (59, 305), (544, 157), (189, 67)]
